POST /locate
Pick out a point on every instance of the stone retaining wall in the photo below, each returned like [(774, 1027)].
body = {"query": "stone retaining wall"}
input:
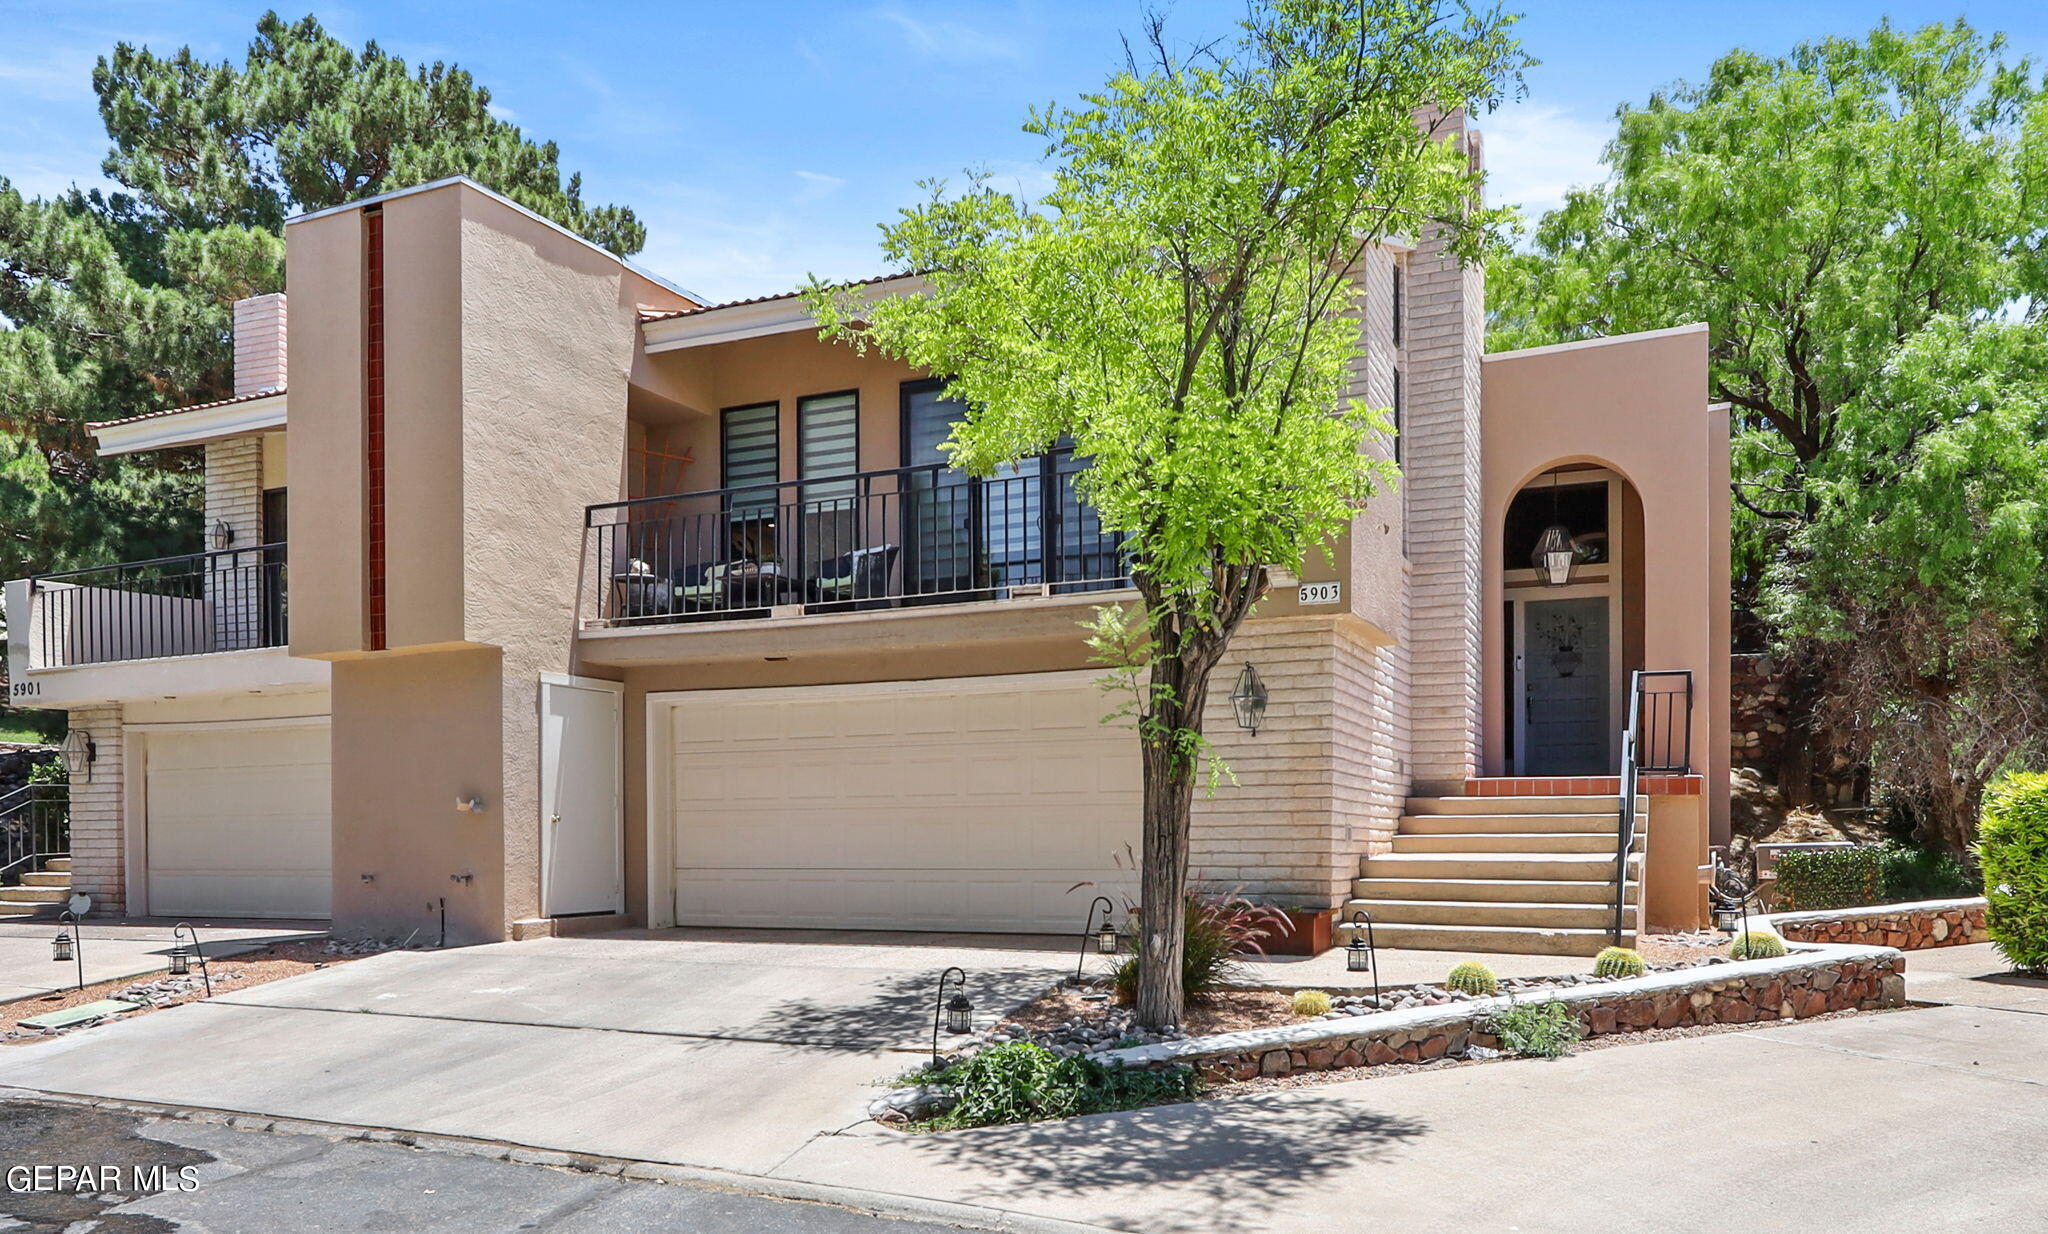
[(1909, 927), (1812, 981)]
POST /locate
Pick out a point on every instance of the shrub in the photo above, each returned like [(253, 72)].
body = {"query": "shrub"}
[(1472, 977), (1619, 962), (1023, 1082), (1830, 878), (1311, 1002), (1537, 1030), (1218, 928), (2012, 847), (1917, 872), (1757, 945), (49, 771)]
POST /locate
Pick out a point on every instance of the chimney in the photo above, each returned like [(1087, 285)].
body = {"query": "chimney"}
[(259, 344)]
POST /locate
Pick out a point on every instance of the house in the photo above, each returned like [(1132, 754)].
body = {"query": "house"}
[(542, 595)]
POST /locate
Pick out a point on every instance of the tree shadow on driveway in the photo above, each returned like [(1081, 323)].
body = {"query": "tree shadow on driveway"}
[(895, 1010), (1211, 1165)]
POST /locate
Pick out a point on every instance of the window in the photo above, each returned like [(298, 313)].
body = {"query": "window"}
[(828, 443), (1397, 416), (1400, 303), (749, 454)]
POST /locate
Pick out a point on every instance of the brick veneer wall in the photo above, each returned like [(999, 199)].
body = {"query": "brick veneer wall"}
[(98, 847), (234, 495), (1908, 928)]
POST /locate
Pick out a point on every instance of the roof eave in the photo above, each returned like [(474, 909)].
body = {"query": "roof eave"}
[(195, 426)]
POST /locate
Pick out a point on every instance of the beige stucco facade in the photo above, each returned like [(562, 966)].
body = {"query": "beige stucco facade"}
[(522, 369)]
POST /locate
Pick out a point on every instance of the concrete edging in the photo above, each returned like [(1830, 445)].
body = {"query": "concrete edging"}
[(1802, 968)]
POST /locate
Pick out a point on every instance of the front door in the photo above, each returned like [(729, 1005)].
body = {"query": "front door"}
[(1565, 728), (582, 827)]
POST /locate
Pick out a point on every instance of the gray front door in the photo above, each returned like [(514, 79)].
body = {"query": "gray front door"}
[(1565, 722)]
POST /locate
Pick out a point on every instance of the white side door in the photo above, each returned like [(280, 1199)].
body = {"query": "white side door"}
[(582, 821)]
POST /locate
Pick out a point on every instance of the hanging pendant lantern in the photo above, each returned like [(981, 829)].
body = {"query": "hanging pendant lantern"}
[(1555, 554)]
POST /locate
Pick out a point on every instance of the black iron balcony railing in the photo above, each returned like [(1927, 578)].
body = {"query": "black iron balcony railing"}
[(874, 539), (231, 600)]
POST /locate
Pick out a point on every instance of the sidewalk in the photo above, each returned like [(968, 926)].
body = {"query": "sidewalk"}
[(116, 949)]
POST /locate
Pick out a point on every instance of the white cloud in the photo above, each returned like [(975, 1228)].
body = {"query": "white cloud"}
[(502, 112), (817, 184), (954, 40), (1535, 153)]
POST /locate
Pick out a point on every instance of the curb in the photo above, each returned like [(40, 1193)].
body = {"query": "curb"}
[(858, 1199)]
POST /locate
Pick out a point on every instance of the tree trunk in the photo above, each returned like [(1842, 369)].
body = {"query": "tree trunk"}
[(1179, 675)]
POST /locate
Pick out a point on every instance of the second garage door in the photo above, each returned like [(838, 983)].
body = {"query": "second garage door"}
[(238, 822), (969, 804)]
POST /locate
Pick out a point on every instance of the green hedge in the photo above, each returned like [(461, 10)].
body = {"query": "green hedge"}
[(1819, 878), (2012, 846)]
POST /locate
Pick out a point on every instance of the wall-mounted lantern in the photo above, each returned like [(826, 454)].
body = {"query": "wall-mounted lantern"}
[(79, 752), (1248, 699), (222, 535), (1555, 554)]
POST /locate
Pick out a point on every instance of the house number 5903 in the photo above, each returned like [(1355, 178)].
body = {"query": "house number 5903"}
[(1322, 593)]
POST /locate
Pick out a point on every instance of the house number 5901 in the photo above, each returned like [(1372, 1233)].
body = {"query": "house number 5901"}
[(25, 689), (1322, 593)]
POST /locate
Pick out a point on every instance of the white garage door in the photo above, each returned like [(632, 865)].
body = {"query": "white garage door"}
[(932, 805), (238, 822)]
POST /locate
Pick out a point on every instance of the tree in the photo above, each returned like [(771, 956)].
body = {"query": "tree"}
[(1923, 571), (1816, 210), (118, 303), (1181, 307)]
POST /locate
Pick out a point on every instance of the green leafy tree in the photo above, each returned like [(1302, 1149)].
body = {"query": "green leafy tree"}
[(1923, 570), (118, 303), (1181, 306), (1816, 209)]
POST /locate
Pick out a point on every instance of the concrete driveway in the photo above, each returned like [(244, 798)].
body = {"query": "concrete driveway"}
[(116, 949), (712, 1048)]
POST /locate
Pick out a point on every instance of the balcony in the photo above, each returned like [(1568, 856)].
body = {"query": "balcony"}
[(231, 600), (908, 536)]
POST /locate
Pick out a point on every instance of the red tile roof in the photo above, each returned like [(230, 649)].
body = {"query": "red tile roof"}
[(172, 411)]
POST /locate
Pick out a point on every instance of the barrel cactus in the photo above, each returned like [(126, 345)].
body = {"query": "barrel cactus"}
[(1472, 977), (1757, 945), (1619, 962), (1311, 1002)]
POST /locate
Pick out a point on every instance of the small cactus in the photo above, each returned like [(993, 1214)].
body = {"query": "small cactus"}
[(1757, 945), (1619, 962), (1311, 1002), (1472, 977)]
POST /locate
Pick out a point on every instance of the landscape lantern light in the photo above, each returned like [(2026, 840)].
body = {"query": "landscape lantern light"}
[(1106, 938), (958, 1013), (1555, 554), (1248, 699), (70, 944), (1105, 935), (181, 955), (1361, 954), (181, 961), (61, 947)]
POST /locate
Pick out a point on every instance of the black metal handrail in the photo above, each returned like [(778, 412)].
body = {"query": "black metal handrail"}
[(226, 600), (35, 825), (893, 536), (1655, 718)]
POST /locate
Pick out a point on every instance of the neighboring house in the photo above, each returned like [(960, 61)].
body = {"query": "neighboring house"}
[(598, 602)]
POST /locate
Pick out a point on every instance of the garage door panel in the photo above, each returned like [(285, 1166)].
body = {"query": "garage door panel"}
[(237, 822), (958, 805)]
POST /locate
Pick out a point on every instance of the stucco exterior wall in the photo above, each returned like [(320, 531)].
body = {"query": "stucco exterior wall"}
[(324, 449), (1637, 405)]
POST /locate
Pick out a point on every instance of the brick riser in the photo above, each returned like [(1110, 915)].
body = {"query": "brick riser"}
[(1527, 875)]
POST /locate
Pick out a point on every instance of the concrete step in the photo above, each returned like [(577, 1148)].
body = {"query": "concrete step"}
[(1442, 824), (17, 910), (1583, 867), (1513, 940), (1550, 891), (47, 878), (1527, 913), (1509, 842), (62, 864), (1514, 805), (44, 895)]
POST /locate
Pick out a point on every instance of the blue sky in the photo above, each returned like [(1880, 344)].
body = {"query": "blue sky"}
[(763, 141)]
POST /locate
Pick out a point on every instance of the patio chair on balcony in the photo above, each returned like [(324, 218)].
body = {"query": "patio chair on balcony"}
[(862, 574), (701, 586)]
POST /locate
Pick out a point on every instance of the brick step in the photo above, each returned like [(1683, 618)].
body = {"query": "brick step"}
[(47, 878), (1583, 867), (1528, 913), (1509, 842), (1550, 891), (1441, 824), (1511, 940), (1514, 805)]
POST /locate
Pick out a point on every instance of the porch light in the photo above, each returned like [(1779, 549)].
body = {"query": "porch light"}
[(1554, 555), (1360, 954), (958, 1013), (79, 752), (1248, 699), (222, 535)]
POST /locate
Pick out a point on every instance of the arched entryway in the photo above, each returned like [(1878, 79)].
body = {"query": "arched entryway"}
[(1572, 614)]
